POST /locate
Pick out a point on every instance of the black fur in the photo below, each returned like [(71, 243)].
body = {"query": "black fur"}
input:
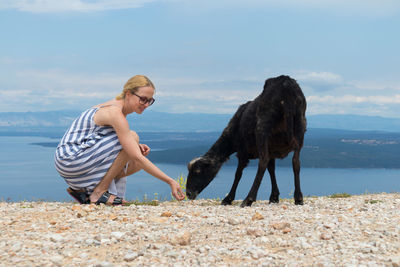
[(269, 127)]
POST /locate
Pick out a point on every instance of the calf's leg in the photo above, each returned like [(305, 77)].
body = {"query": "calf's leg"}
[(238, 175), (274, 197), (252, 196), (298, 195)]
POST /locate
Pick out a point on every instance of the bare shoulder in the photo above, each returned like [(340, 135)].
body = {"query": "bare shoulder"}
[(108, 115)]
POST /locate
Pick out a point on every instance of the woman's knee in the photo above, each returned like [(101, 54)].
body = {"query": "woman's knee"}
[(135, 135), (129, 169)]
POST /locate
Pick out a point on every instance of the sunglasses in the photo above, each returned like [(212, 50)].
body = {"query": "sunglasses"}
[(144, 100)]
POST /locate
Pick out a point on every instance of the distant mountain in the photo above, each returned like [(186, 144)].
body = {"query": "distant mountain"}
[(37, 119), (149, 121), (153, 121), (354, 122), (323, 148)]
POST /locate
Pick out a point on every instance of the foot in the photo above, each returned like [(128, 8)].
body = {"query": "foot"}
[(79, 195), (95, 196), (105, 198)]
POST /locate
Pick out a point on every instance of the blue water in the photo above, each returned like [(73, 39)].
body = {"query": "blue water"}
[(27, 173)]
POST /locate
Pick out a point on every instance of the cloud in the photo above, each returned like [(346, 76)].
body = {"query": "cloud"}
[(219, 91), (58, 89), (349, 7), (354, 99), (320, 77), (326, 93), (54, 6), (330, 93), (352, 104)]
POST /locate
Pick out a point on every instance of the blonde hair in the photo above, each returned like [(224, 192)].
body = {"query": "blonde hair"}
[(133, 85)]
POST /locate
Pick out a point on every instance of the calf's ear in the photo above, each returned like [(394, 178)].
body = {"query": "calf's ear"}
[(192, 162)]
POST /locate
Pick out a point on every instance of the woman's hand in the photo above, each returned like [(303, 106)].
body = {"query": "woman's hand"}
[(176, 190), (144, 149)]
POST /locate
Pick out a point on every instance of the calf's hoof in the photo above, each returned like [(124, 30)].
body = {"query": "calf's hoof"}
[(274, 199), (298, 202), (226, 201), (246, 203)]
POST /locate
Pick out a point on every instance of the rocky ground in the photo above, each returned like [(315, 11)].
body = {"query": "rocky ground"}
[(356, 231)]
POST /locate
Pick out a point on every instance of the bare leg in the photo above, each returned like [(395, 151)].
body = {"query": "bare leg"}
[(112, 172), (116, 171), (132, 168)]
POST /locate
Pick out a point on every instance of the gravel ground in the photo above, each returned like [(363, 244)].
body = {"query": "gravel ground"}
[(356, 231)]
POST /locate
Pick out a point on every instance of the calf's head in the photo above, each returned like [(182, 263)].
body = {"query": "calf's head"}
[(201, 172)]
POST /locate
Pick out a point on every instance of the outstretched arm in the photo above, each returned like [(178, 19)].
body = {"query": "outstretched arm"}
[(115, 118)]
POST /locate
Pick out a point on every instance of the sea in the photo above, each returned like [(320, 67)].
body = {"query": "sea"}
[(27, 173)]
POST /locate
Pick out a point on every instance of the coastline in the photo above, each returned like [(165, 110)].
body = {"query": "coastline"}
[(356, 230)]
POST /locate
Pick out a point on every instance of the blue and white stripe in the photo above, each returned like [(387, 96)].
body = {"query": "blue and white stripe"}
[(86, 152)]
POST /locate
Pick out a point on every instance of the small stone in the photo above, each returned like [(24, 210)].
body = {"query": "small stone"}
[(233, 221), (131, 256), (172, 254), (257, 216), (56, 238), (103, 264), (117, 235), (166, 214), (279, 225), (16, 247), (254, 232), (113, 217), (395, 260), (75, 208), (326, 236), (158, 219), (89, 241), (57, 260), (286, 230), (84, 256), (304, 244), (180, 214), (105, 241), (62, 228), (182, 239)]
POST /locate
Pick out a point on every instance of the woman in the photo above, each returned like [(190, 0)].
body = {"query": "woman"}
[(99, 150)]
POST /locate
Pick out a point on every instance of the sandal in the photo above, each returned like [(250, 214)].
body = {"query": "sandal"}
[(105, 197), (81, 196)]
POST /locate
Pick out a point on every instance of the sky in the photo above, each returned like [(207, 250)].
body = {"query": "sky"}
[(203, 56)]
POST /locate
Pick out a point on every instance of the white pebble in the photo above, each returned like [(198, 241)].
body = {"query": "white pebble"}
[(131, 256)]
